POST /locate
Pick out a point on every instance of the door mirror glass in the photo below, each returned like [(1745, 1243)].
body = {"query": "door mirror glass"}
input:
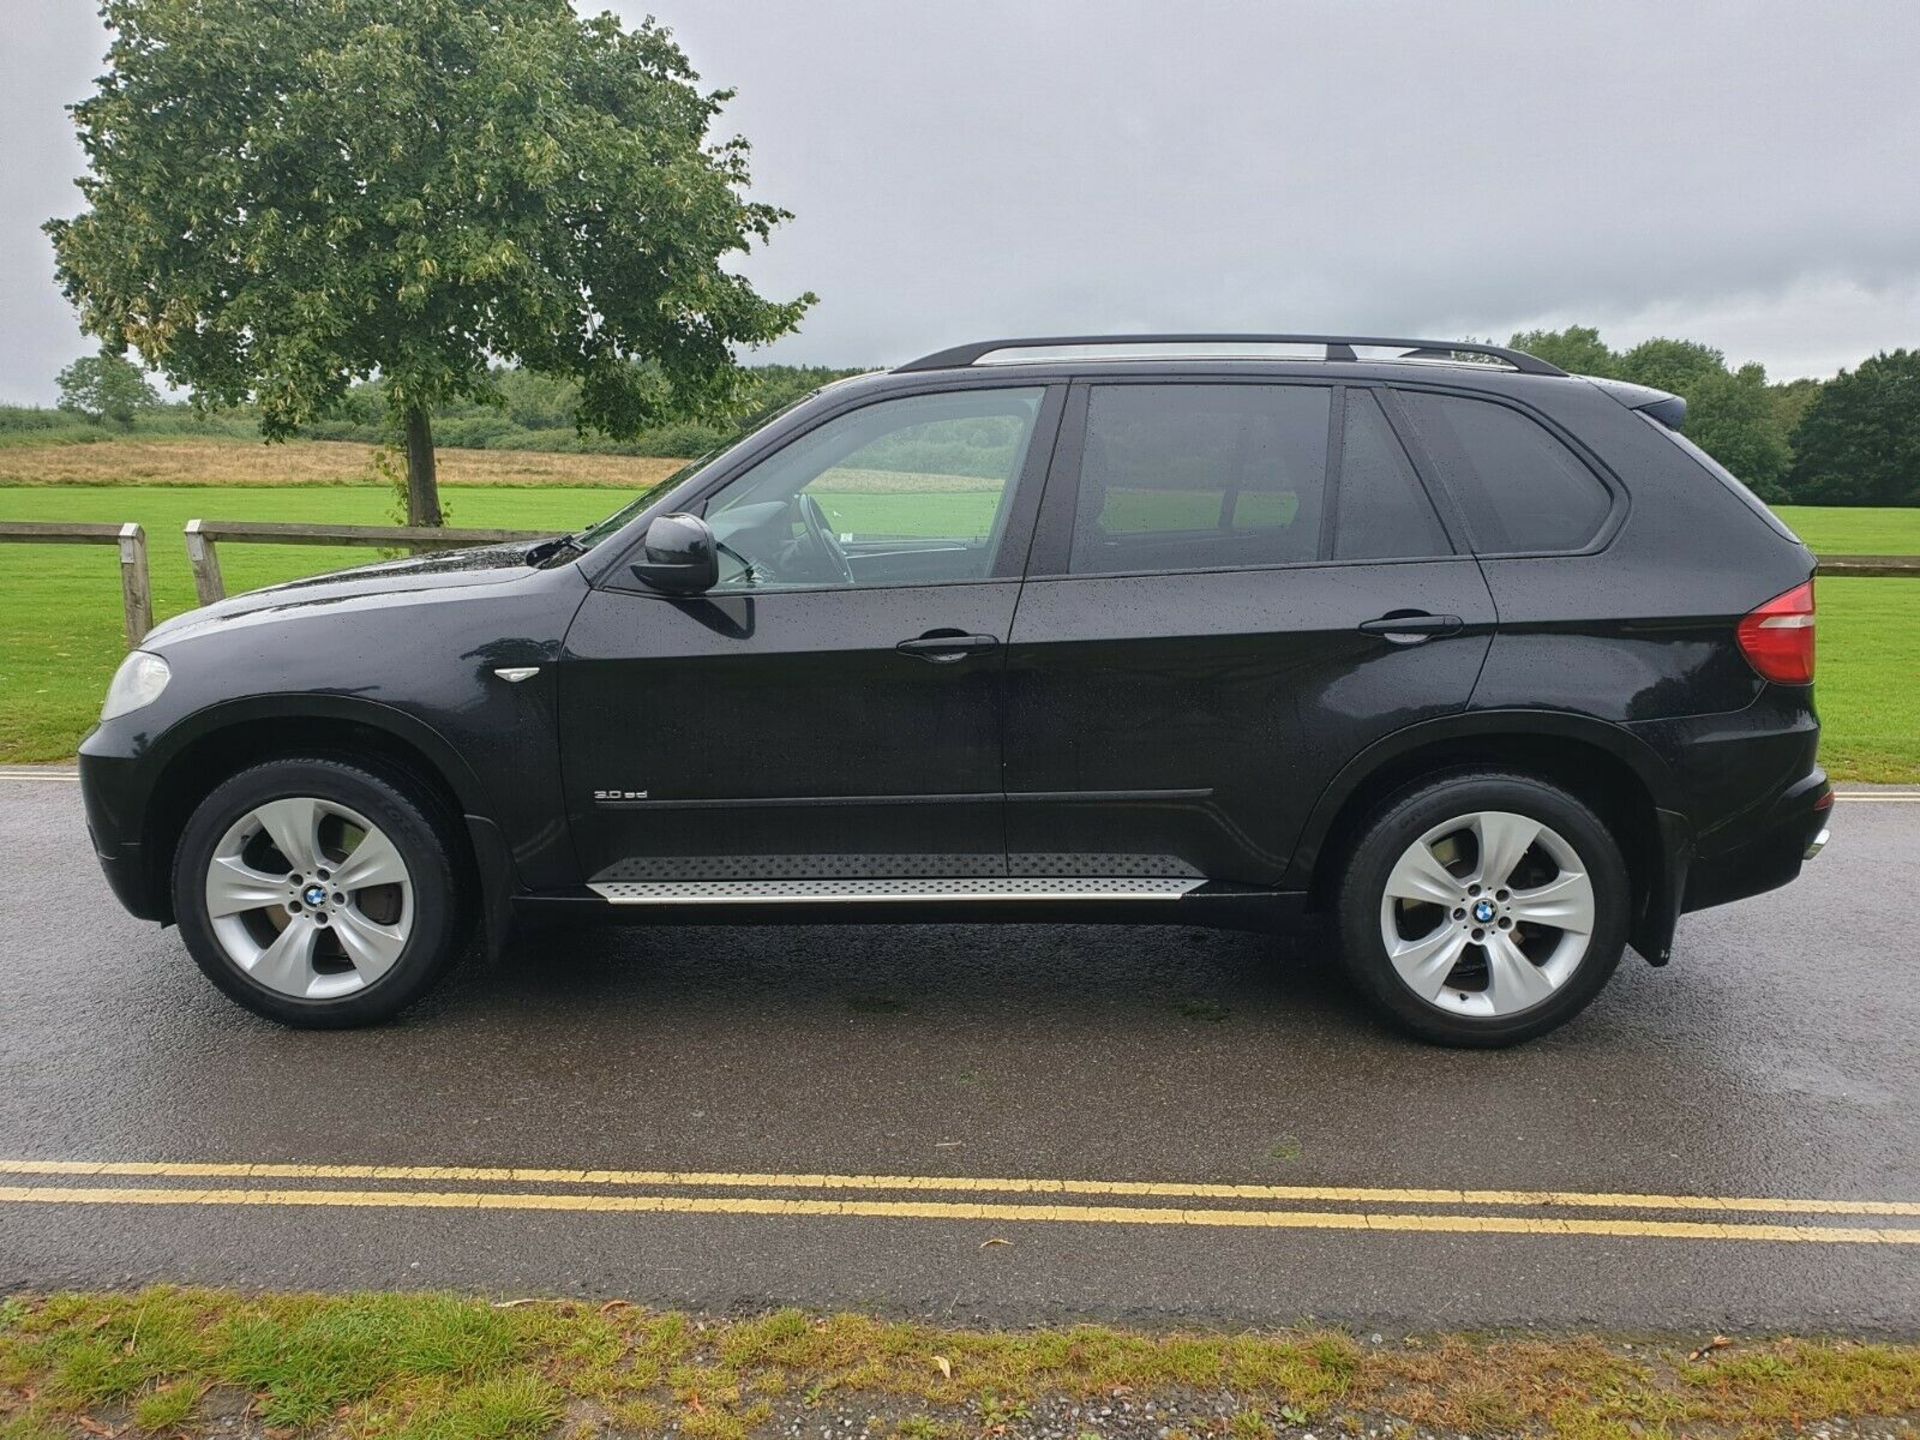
[(679, 556)]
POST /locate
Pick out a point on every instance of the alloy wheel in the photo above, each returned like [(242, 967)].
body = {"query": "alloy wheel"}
[(1487, 914), (309, 898)]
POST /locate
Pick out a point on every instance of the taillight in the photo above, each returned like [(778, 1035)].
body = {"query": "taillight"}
[(1777, 637)]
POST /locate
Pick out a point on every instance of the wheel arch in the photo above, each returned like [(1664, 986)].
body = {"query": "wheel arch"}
[(1623, 780), (222, 740)]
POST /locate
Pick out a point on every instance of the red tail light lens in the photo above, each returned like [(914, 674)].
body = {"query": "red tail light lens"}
[(1777, 637)]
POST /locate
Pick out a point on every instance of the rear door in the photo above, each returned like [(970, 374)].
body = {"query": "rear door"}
[(1236, 586)]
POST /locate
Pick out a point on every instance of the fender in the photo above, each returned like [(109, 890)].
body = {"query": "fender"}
[(374, 714), (1632, 751)]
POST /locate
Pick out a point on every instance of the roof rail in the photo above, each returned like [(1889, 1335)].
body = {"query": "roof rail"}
[(1339, 347)]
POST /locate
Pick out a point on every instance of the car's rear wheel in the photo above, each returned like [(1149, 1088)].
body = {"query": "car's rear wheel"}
[(1484, 908), (317, 893)]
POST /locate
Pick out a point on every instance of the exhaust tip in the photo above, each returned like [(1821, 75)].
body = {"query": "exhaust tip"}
[(1818, 843)]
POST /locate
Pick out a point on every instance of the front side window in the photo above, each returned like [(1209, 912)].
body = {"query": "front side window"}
[(1189, 477), (1522, 490), (911, 491)]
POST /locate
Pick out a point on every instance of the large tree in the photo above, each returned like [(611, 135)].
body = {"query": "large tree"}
[(287, 196), (1859, 442)]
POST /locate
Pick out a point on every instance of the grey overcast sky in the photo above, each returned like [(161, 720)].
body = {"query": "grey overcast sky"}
[(1747, 174)]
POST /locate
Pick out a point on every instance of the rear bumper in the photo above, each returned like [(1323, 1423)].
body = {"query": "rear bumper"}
[(1770, 852)]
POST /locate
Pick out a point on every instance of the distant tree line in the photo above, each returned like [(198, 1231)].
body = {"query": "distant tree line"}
[(104, 395), (1851, 440)]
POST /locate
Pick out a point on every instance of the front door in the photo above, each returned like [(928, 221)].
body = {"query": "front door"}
[(1236, 588), (831, 711)]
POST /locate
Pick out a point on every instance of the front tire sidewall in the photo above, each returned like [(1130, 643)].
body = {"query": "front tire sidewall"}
[(1399, 824), (431, 944)]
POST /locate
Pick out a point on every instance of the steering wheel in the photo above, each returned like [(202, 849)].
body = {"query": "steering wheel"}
[(821, 534)]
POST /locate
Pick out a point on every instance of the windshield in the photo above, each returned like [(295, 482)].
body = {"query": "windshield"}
[(594, 534)]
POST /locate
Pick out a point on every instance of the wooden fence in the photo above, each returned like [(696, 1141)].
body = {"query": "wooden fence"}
[(204, 535), (1859, 565), (136, 586)]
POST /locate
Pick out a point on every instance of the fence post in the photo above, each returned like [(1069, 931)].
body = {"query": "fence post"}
[(136, 589), (208, 583)]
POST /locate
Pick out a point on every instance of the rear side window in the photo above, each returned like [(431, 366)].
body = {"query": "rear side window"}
[(1384, 511), (1191, 477), (1520, 487)]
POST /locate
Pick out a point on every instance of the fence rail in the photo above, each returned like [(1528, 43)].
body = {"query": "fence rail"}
[(1862, 565), (204, 535), (136, 584)]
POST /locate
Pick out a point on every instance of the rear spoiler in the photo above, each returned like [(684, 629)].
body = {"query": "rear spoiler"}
[(1669, 410)]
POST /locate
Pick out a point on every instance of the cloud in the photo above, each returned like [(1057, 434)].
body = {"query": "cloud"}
[(1739, 173)]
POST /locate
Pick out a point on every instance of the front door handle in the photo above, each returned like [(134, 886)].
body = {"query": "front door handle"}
[(944, 647), (1411, 627)]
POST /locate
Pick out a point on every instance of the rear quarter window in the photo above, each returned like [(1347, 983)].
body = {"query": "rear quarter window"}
[(1727, 478), (1520, 488)]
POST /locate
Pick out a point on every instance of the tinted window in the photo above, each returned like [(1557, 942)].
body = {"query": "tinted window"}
[(1184, 477), (1520, 487), (904, 492), (1384, 513)]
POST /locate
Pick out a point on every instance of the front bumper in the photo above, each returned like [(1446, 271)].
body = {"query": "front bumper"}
[(1793, 831), (114, 791)]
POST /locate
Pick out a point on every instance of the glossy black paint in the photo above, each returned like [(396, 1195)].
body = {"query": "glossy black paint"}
[(1223, 725), (679, 556)]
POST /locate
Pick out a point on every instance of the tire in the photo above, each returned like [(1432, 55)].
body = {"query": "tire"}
[(1488, 967), (356, 921)]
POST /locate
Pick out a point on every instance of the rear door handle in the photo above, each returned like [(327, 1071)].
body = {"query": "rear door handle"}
[(944, 647), (1411, 627)]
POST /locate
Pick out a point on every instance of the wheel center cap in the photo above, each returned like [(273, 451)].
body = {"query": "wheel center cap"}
[(314, 895), (1483, 912)]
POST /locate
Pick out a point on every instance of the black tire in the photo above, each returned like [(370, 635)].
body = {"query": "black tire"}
[(1411, 814), (418, 829)]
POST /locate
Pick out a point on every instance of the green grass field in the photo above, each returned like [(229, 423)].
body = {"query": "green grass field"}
[(60, 622), (60, 634), (1830, 530)]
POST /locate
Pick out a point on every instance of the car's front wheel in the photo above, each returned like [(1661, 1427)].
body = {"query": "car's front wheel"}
[(317, 893), (1484, 908)]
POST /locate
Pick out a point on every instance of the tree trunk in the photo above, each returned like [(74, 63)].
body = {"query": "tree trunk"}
[(423, 476)]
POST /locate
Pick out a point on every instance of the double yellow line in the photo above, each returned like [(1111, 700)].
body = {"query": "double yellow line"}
[(1049, 1201)]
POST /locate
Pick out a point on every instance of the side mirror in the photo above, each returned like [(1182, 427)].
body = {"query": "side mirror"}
[(680, 556)]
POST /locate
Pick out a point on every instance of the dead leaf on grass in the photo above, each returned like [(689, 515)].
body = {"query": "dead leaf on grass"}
[(946, 1366), (1718, 1342)]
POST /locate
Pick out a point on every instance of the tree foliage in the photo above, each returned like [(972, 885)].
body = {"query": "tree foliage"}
[(106, 387), (1859, 442), (1734, 415), (284, 199), (1578, 349)]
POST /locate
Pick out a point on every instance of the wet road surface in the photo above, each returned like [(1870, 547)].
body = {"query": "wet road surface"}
[(725, 1076)]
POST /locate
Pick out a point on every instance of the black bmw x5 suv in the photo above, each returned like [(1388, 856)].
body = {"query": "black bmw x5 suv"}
[(1482, 661)]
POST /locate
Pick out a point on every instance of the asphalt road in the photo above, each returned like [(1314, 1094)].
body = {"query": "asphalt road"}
[(1777, 1059)]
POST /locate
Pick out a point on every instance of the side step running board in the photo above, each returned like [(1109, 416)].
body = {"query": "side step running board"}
[(760, 892)]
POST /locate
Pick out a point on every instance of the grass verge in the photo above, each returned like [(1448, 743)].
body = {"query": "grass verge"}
[(435, 1367)]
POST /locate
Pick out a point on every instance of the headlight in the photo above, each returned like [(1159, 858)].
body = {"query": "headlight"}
[(139, 681)]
